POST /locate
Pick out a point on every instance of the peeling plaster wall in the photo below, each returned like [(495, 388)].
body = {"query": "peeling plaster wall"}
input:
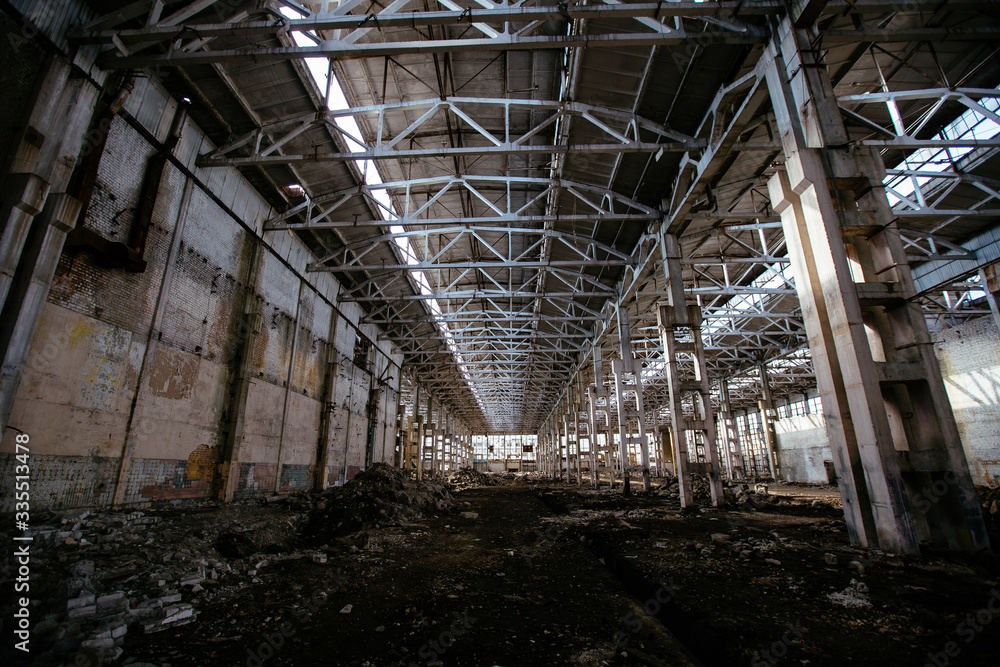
[(90, 384)]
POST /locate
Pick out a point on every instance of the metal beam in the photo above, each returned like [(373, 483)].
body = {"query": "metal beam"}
[(341, 50), (429, 266), (462, 295), (458, 17), (499, 196)]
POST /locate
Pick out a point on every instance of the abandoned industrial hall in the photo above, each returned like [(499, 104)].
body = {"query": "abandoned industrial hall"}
[(500, 333)]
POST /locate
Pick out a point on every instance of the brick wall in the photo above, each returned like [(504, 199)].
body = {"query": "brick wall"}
[(970, 364)]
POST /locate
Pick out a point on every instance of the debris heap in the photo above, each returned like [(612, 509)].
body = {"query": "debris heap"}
[(468, 478), (379, 496), (101, 575)]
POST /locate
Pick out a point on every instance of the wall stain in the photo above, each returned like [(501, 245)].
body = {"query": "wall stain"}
[(173, 374), (201, 463), (109, 351), (81, 330), (192, 478)]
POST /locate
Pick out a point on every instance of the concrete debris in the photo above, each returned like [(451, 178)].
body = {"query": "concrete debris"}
[(83, 568), (720, 539), (105, 574), (738, 494), (379, 496), (468, 478), (853, 596), (85, 600)]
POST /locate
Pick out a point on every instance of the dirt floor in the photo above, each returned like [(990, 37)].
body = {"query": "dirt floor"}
[(546, 573)]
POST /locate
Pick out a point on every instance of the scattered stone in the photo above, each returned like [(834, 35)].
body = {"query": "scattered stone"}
[(852, 596), (85, 600), (82, 568), (469, 515), (82, 612), (830, 559), (177, 613), (192, 580), (109, 605), (347, 609)]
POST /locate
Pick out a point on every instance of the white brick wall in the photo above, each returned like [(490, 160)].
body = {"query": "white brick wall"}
[(970, 365)]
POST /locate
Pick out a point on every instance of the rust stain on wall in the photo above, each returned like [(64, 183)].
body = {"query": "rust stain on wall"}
[(192, 481), (201, 463), (173, 374)]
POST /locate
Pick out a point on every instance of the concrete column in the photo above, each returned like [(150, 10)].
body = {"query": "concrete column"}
[(666, 451), (21, 199), (28, 291), (888, 417), (288, 386), (731, 436), (449, 445), (576, 434), (433, 425), (37, 212), (565, 461), (600, 417), (417, 448), (553, 436), (767, 416), (592, 430), (331, 373), (680, 330), (631, 413), (989, 278), (235, 419)]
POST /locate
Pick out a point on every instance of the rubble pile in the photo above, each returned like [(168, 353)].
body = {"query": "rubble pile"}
[(100, 575), (378, 496), (746, 498), (268, 533), (468, 478), (989, 497), (742, 495)]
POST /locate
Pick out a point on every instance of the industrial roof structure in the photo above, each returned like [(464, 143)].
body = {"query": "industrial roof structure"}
[(491, 181)]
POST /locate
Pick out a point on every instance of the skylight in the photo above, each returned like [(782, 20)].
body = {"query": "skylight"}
[(902, 190), (326, 80)]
